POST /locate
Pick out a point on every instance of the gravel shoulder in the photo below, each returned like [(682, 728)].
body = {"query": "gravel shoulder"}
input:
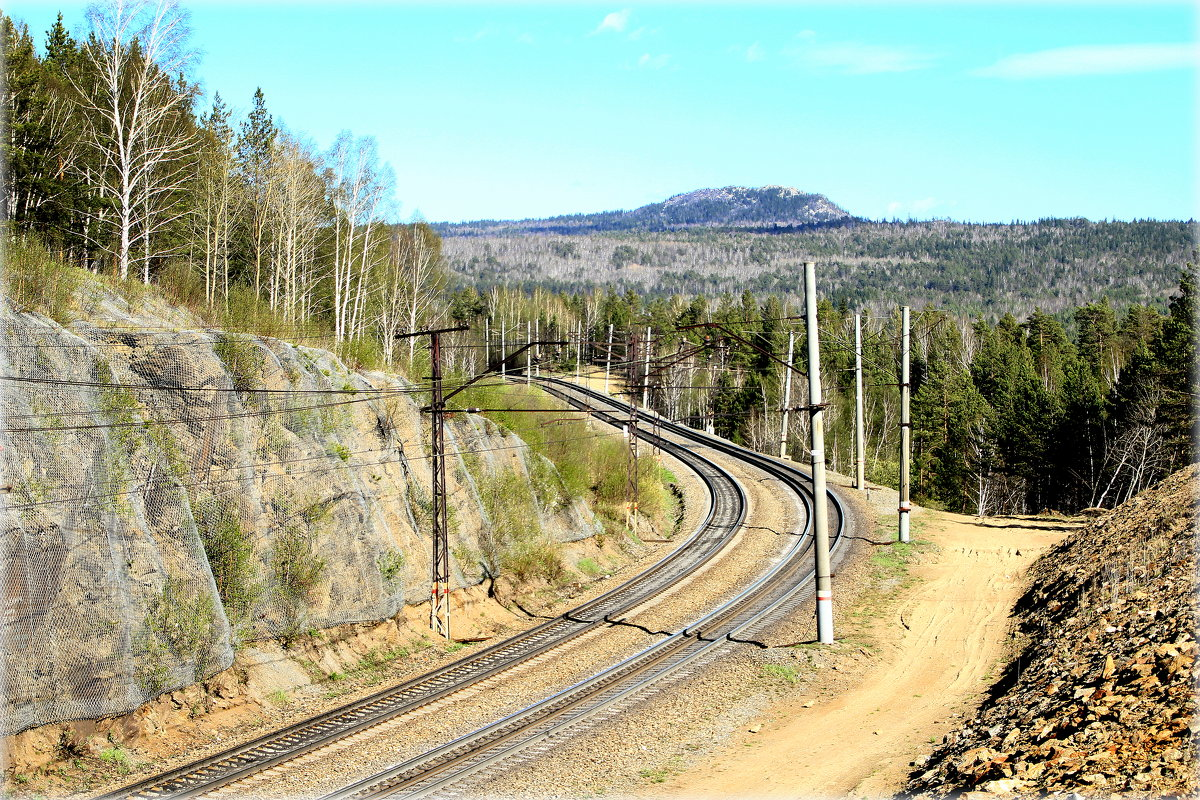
[(934, 646)]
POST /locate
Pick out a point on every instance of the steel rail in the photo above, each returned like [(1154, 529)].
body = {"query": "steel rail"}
[(721, 522), (777, 589)]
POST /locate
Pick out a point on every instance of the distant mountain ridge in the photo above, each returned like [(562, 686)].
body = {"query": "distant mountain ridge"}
[(765, 207)]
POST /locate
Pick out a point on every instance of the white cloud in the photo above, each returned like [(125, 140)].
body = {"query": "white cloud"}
[(755, 52), (855, 58), (648, 61), (615, 22), (1098, 59)]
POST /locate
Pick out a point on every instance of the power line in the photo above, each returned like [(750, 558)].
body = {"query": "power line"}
[(400, 459)]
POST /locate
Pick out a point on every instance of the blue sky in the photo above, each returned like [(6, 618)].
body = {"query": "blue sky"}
[(970, 111)]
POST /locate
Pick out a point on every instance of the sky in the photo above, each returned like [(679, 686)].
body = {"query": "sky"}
[(973, 111)]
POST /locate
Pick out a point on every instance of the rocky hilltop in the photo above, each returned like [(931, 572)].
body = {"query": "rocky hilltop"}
[(178, 492), (1100, 698), (739, 207)]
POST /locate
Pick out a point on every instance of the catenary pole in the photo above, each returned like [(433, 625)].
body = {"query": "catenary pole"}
[(817, 428), (787, 396), (608, 357), (860, 446), (905, 424)]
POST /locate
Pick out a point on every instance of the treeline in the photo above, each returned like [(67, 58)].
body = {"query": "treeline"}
[(113, 169), (1009, 416), (974, 269)]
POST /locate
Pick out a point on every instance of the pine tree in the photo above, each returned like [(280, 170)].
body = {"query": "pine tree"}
[(255, 154)]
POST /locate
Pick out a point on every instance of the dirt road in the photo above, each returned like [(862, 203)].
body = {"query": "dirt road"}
[(941, 644)]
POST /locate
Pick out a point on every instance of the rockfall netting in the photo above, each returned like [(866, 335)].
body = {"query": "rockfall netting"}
[(175, 491)]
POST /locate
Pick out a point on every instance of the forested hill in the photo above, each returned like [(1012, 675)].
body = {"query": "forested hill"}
[(767, 207), (979, 269)]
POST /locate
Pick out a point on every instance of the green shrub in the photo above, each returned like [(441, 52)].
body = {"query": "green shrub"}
[(230, 553), (297, 569), (391, 566), (515, 542), (361, 352), (181, 284), (245, 362)]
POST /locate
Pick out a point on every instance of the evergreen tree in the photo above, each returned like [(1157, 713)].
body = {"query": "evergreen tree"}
[(255, 158)]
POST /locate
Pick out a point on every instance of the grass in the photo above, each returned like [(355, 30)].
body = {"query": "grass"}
[(589, 567), (118, 758), (36, 281), (789, 675)]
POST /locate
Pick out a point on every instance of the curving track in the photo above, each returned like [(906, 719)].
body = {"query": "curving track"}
[(774, 594), (726, 512)]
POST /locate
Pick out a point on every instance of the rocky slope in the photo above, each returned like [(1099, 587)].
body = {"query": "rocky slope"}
[(1100, 699), (176, 492), (766, 207)]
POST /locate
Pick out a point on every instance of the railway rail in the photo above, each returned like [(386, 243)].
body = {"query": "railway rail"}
[(725, 514), (774, 594)]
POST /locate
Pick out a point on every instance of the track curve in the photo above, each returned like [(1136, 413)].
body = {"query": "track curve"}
[(725, 515), (775, 593)]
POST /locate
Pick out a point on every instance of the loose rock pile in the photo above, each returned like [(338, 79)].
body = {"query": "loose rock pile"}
[(1101, 699)]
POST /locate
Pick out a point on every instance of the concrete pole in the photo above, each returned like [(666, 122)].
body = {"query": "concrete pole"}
[(537, 350), (528, 352), (817, 426), (578, 348), (646, 373), (905, 425), (860, 446), (608, 357), (787, 396)]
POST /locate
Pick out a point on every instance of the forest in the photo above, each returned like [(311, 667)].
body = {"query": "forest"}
[(978, 269), (1011, 416), (1053, 361), (112, 169)]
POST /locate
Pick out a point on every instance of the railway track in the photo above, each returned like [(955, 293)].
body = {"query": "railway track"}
[(470, 758), (725, 514)]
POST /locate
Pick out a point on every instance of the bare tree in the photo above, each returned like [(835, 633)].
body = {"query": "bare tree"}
[(296, 204), (132, 110), (359, 194), (218, 203), (410, 283)]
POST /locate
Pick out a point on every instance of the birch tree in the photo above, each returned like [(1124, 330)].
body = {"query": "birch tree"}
[(414, 278), (295, 218), (218, 202), (359, 194), (131, 112)]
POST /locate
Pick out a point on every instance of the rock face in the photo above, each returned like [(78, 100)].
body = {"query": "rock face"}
[(177, 490), (1101, 698)]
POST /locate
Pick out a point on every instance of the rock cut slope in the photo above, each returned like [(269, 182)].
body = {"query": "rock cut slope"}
[(1100, 699)]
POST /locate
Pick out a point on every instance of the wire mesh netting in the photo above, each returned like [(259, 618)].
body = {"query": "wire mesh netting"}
[(176, 492)]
